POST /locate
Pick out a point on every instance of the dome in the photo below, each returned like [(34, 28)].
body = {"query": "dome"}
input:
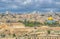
[(50, 18)]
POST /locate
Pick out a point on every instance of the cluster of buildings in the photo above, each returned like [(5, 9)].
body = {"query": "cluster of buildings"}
[(35, 16), (9, 23)]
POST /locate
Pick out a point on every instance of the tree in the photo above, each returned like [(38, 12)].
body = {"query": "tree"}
[(48, 31), (14, 35), (51, 23), (20, 21), (31, 24), (2, 35)]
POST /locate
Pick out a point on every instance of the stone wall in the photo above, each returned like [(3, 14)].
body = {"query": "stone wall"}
[(33, 37)]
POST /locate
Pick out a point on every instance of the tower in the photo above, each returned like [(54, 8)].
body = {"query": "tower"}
[(7, 12)]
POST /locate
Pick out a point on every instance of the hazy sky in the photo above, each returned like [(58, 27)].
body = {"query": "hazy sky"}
[(29, 5)]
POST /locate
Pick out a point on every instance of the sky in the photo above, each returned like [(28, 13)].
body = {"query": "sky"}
[(29, 5)]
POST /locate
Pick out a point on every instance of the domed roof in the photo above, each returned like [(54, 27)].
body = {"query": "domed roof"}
[(50, 18)]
